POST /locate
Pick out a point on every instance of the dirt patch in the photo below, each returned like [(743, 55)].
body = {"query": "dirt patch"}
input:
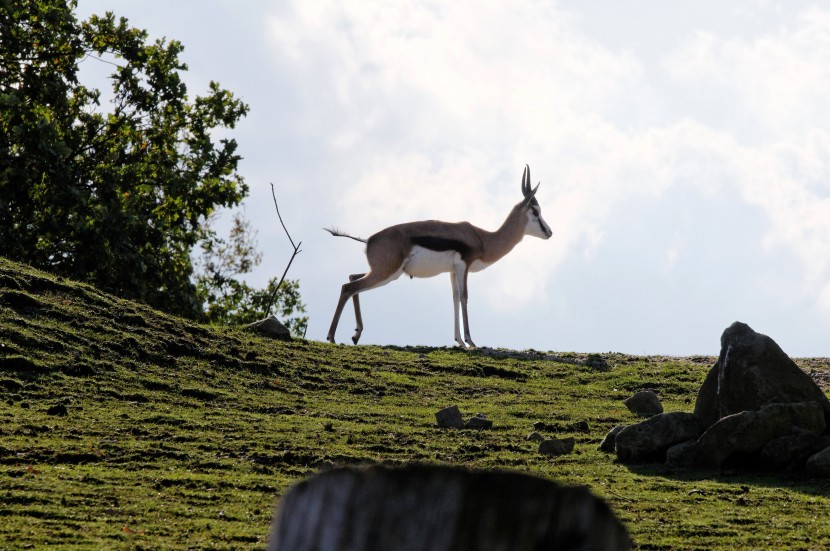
[(818, 369)]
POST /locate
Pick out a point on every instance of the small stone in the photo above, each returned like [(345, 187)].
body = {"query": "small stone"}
[(271, 328), (449, 418), (535, 437), (59, 410), (581, 426), (556, 447), (480, 421), (644, 403)]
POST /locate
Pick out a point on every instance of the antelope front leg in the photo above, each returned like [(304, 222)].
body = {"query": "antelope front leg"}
[(461, 282), (455, 305)]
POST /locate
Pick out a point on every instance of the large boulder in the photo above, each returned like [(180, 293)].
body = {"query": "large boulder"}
[(649, 440), (682, 455), (751, 372), (819, 464), (609, 443), (747, 432), (790, 450)]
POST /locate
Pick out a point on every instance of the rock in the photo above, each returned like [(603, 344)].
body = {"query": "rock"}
[(58, 410), (819, 463), (441, 509), (791, 450), (608, 443), (749, 431), (480, 421), (535, 437), (449, 418), (650, 439), (683, 454), (644, 403), (751, 372), (270, 328), (555, 447), (707, 409), (597, 362), (581, 426)]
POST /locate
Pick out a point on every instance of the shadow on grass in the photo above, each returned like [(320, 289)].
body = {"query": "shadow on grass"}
[(740, 476)]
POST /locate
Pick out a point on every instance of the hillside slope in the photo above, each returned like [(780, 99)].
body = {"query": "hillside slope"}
[(123, 427)]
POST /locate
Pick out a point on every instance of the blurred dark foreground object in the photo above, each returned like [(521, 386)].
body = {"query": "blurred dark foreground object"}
[(437, 508)]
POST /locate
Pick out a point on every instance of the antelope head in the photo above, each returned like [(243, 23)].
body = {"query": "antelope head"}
[(536, 226)]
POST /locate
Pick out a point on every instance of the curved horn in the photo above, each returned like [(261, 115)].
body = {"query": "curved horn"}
[(526, 181), (530, 196)]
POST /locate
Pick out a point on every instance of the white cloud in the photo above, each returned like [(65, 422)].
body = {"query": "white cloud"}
[(445, 108), (780, 80), (684, 154), (430, 111)]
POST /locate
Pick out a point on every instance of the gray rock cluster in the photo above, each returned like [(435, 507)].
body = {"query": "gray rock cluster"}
[(756, 408), (450, 418)]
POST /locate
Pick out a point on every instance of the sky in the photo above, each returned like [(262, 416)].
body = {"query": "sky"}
[(683, 150)]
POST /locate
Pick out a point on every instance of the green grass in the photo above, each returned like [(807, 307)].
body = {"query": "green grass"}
[(183, 436)]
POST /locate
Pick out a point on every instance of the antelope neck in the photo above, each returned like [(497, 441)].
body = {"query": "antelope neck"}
[(502, 241)]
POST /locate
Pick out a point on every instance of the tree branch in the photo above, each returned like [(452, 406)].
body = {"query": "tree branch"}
[(296, 252)]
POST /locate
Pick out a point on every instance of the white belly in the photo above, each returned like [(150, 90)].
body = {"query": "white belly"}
[(478, 265), (423, 262)]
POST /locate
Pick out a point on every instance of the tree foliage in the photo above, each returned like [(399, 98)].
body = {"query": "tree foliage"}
[(116, 197)]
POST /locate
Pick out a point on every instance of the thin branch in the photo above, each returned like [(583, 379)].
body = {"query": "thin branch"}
[(296, 252), (280, 217)]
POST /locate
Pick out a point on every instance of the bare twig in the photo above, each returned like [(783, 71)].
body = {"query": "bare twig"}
[(280, 217), (296, 252)]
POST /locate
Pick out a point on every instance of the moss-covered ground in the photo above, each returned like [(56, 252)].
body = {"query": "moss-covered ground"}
[(124, 428)]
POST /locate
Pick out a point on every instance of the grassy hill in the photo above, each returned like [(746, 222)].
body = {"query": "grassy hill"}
[(122, 427)]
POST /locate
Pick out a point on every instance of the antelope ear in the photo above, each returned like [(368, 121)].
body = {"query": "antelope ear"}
[(529, 197)]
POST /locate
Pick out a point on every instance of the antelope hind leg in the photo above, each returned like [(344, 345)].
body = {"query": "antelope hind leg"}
[(357, 317)]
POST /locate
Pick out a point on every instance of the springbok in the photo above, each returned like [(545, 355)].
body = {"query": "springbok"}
[(431, 247)]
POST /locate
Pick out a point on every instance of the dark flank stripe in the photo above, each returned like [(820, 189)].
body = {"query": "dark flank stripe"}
[(440, 244)]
